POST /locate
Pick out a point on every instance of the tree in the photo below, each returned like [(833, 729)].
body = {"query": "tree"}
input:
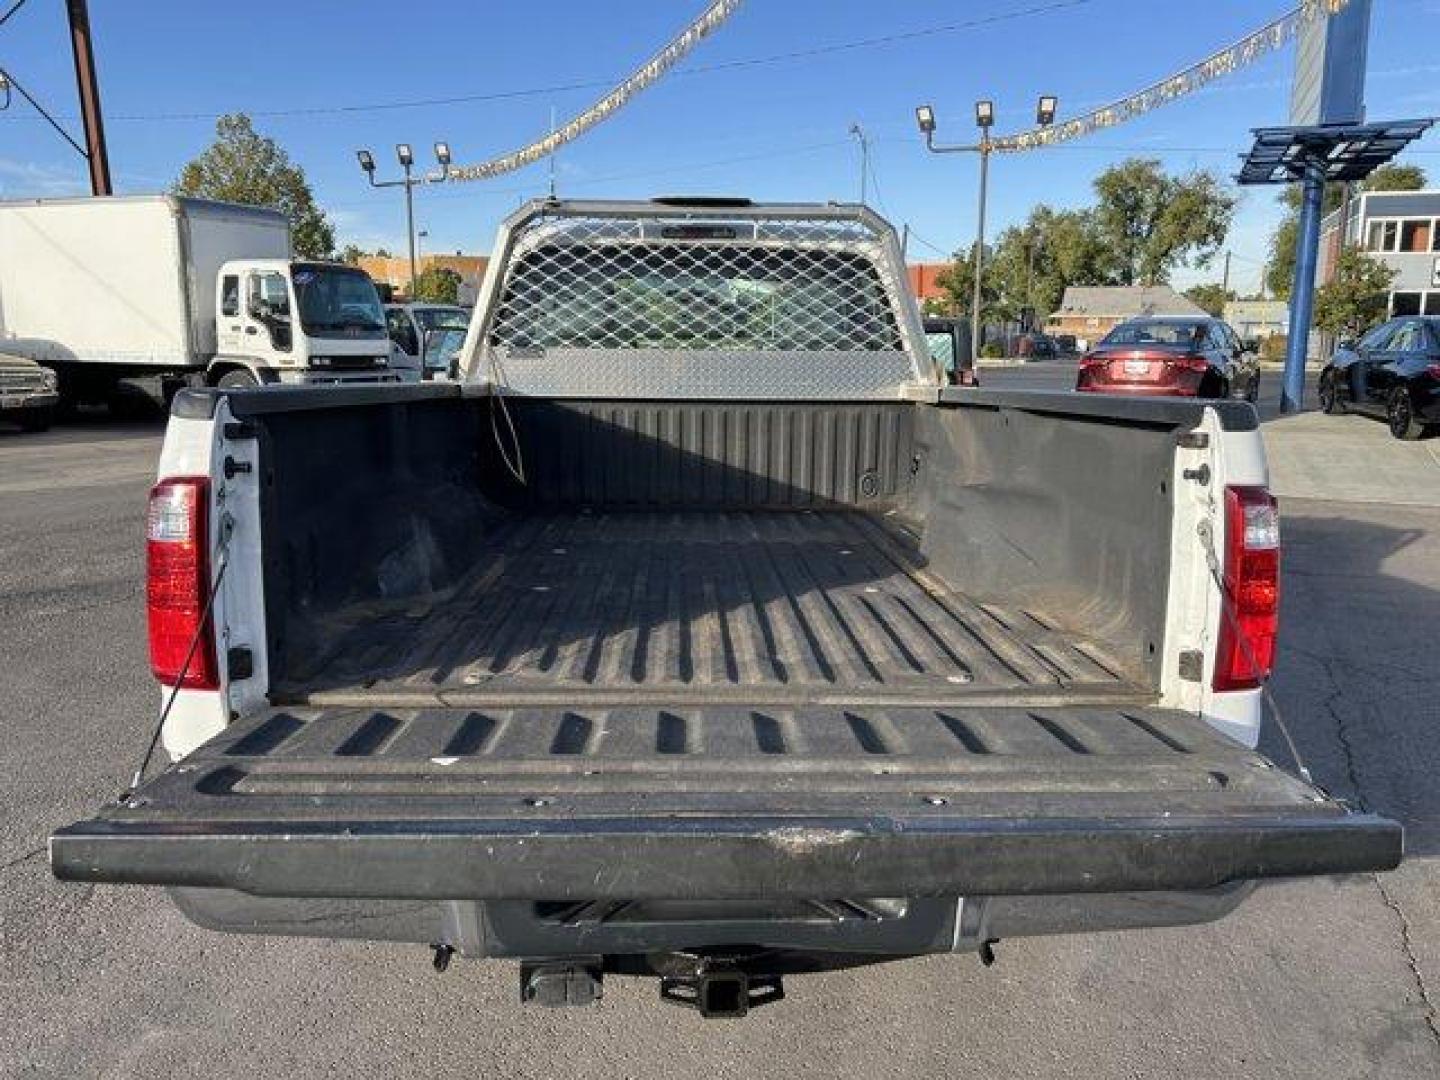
[(352, 254), (1280, 268), (1211, 296), (1030, 265), (1394, 177), (1150, 222), (1356, 297), (958, 283), (243, 166), (437, 285)]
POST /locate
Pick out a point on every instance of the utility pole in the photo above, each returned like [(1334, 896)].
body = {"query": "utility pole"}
[(1225, 281), (89, 91), (551, 155), (859, 133)]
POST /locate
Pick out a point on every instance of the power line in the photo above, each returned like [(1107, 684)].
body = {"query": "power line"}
[(13, 9), (592, 84)]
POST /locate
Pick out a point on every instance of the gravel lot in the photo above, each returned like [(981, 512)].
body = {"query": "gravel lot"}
[(1326, 978)]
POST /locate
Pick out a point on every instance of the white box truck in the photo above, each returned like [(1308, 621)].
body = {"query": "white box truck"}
[(185, 289)]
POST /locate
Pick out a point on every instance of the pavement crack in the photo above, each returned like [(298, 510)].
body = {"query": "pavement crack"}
[(10, 864), (1407, 949), (1352, 774)]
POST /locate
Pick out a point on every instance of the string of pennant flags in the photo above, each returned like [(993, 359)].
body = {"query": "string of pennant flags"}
[(1267, 39), (710, 20), (1252, 47)]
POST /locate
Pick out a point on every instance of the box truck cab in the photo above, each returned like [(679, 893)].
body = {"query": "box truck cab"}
[(279, 321)]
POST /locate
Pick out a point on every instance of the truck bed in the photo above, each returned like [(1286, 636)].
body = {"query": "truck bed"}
[(696, 606)]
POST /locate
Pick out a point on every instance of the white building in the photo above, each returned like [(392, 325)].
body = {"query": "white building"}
[(1402, 230)]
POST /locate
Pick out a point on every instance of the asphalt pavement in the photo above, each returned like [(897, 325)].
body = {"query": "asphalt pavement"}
[(1328, 977)]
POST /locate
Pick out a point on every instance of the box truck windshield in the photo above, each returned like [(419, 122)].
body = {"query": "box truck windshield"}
[(333, 298)]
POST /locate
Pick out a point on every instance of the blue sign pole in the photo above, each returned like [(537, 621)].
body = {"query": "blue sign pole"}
[(1302, 293)]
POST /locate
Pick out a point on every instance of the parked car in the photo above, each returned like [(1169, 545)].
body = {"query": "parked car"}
[(1066, 344), (1036, 347), (437, 330), (1392, 372), (721, 662), (1171, 357), (28, 393)]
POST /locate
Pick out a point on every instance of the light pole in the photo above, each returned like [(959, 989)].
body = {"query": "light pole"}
[(984, 120), (406, 157)]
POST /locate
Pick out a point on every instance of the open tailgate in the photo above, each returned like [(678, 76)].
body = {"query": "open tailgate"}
[(645, 802)]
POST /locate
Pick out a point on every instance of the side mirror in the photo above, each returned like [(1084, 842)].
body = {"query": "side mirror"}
[(1346, 343)]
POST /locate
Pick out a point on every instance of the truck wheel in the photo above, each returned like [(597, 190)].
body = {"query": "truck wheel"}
[(1330, 400), (1400, 414), (238, 379), (36, 419)]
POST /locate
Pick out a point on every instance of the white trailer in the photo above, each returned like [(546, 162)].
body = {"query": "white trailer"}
[(105, 289)]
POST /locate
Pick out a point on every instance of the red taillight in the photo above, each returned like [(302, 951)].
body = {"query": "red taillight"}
[(1192, 363), (1433, 371), (1246, 648), (177, 583), (1091, 361)]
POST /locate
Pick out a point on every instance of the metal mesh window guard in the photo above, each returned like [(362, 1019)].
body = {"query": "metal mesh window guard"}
[(695, 296), (700, 305)]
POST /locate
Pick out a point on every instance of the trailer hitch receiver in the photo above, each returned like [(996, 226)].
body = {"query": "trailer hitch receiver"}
[(721, 993)]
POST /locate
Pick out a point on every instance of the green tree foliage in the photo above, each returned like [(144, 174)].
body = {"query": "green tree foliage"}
[(352, 254), (1034, 262), (1355, 298), (1150, 222), (1145, 224), (243, 166), (1280, 267), (437, 285), (1394, 177), (1211, 296)]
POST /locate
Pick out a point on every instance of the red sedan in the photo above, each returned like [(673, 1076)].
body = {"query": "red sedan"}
[(1171, 357)]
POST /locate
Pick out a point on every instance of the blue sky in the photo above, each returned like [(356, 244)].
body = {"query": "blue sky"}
[(772, 130)]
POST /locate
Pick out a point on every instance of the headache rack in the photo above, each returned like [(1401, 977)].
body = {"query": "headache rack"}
[(698, 300)]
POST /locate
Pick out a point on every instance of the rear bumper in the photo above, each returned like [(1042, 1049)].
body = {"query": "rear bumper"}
[(519, 930), (13, 401), (1137, 390)]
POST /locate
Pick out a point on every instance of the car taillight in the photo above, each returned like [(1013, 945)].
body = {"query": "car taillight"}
[(1433, 371), (1088, 361), (1192, 363), (1246, 647), (177, 584)]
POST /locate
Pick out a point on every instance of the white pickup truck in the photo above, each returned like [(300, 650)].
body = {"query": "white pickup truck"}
[(701, 631)]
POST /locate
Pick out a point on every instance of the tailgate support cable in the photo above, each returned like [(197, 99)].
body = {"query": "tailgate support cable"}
[(1227, 605), (222, 563)]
